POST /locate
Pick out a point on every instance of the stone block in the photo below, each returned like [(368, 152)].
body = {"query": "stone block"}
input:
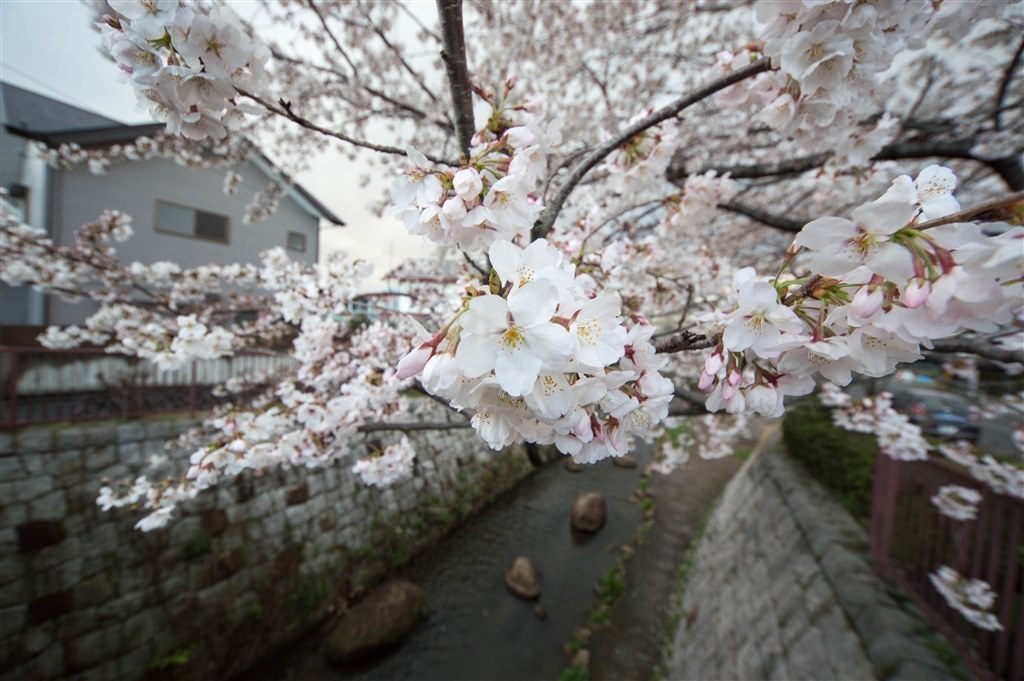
[(12, 620), (35, 440), (49, 664), (847, 655), (13, 514), (7, 447), (36, 535), (25, 490), (131, 432), (94, 590), (131, 454), (808, 657), (214, 522), (50, 606), (52, 505), (99, 457), (135, 664), (68, 436), (297, 495), (11, 469), (140, 628)]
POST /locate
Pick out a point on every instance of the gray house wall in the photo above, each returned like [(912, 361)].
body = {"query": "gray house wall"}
[(20, 163), (134, 188)]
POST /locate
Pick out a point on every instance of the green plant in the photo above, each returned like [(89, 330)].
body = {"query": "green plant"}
[(842, 461), (197, 546), (612, 584), (175, 658), (600, 616), (743, 453), (574, 674)]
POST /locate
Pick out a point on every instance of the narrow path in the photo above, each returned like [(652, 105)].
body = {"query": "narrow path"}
[(631, 646)]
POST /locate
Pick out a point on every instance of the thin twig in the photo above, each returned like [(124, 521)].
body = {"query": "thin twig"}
[(285, 110), (550, 214), (968, 213)]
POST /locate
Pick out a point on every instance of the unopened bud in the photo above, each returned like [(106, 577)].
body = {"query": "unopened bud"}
[(916, 293), (867, 301), (413, 363), (112, 21)]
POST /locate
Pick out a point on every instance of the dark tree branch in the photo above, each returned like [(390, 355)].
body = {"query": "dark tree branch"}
[(685, 340), (777, 221), (1004, 85), (982, 347), (408, 427), (1009, 169), (454, 55), (284, 109), (591, 160), (977, 209)]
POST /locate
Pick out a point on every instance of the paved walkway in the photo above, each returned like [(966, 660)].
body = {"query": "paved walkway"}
[(781, 588)]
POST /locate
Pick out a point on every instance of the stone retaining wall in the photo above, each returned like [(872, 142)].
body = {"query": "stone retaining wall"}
[(780, 587), (244, 569)]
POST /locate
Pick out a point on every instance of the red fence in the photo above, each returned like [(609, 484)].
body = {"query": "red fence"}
[(50, 386), (910, 539)]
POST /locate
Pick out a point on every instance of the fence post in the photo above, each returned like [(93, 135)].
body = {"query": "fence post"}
[(192, 393), (883, 509)]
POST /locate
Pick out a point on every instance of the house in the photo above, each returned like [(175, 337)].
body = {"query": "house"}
[(179, 213)]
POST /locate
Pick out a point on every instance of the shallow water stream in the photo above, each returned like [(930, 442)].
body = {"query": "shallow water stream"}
[(476, 629)]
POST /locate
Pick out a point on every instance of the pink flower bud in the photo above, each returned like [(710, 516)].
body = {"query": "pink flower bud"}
[(413, 363), (734, 377), (867, 301), (729, 391), (112, 21), (916, 293), (706, 381), (713, 363)]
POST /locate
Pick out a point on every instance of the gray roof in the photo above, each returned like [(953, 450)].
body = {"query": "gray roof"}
[(27, 111), (35, 116)]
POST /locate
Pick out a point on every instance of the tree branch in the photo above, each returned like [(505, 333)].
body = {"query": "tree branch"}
[(454, 55), (685, 340), (591, 160), (1004, 85), (764, 217), (285, 109), (419, 425), (968, 213), (1009, 169), (981, 347)]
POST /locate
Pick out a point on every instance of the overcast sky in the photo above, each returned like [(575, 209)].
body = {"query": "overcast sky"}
[(48, 46)]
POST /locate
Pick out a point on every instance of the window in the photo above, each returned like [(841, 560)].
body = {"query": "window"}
[(296, 242), (174, 219)]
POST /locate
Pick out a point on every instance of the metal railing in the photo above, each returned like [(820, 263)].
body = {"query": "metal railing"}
[(39, 385), (910, 538)]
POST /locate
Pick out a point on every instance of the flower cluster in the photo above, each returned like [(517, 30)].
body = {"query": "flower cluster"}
[(489, 198), (897, 436), (701, 195), (186, 66), (1002, 478), (957, 502), (829, 57), (538, 360), (883, 284), (972, 598), (642, 160), (712, 437), (391, 465)]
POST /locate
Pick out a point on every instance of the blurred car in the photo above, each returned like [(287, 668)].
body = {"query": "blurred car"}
[(939, 414)]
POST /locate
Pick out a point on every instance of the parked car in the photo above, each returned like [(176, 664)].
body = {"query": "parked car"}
[(939, 414)]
